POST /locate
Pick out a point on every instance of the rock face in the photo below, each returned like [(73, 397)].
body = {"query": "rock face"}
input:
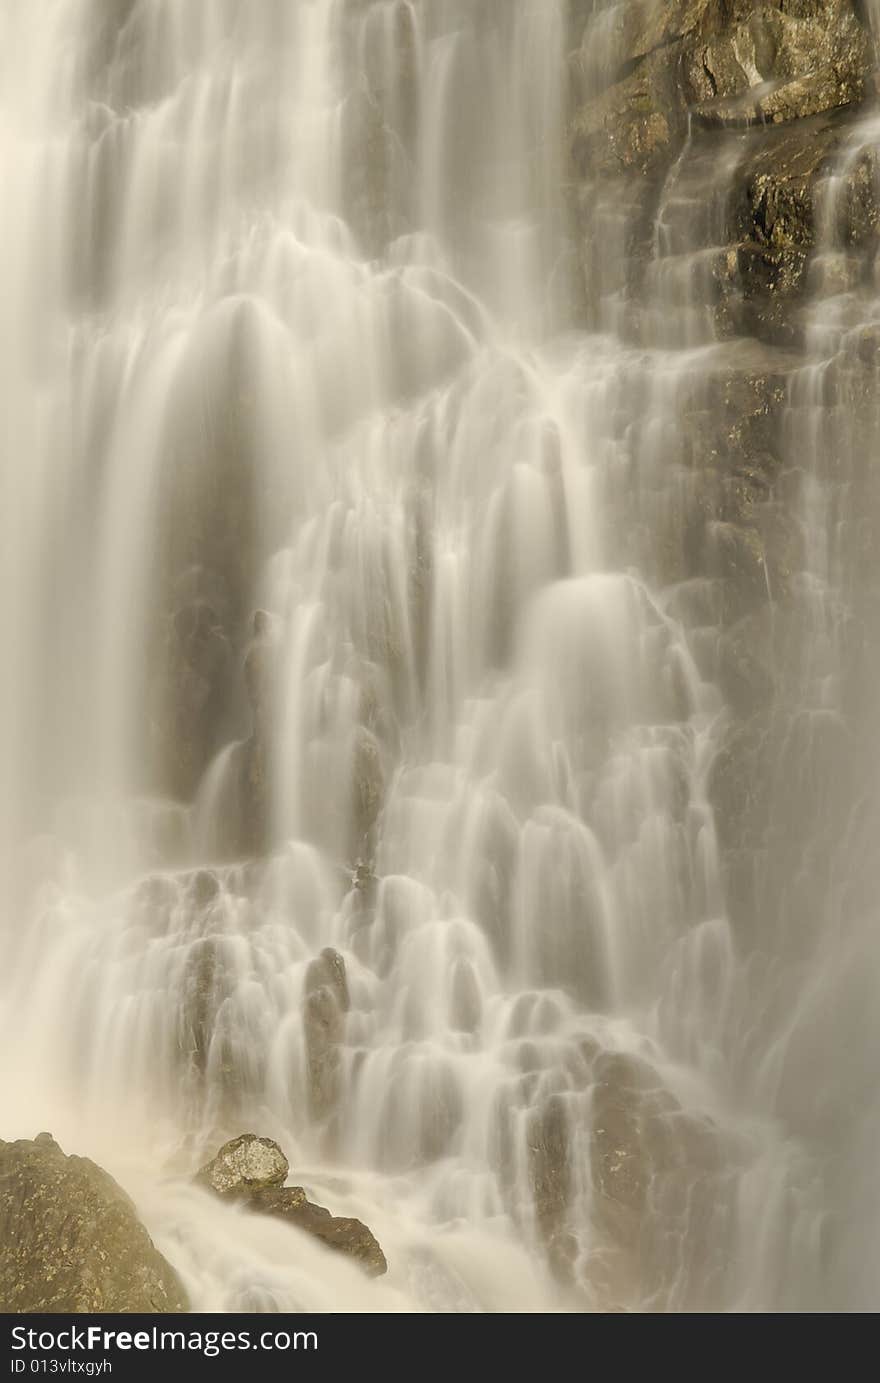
[(724, 171), (325, 1006), (751, 107), (791, 74), (252, 1170), (720, 51), (192, 695), (70, 1239)]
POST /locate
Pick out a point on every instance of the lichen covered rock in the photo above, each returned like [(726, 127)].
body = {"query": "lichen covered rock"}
[(245, 1164), (71, 1240)]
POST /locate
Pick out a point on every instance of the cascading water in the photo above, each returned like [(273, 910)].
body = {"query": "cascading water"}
[(332, 618)]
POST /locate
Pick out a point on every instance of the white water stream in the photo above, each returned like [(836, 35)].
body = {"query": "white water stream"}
[(287, 328)]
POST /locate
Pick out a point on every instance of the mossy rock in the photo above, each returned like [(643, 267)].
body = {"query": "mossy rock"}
[(71, 1241)]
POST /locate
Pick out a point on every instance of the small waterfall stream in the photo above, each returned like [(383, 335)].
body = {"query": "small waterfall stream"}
[(342, 606)]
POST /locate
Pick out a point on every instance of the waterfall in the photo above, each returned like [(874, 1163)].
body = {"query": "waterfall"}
[(347, 621)]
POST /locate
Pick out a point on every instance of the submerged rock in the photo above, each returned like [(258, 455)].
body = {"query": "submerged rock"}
[(552, 1182), (341, 1233), (192, 693), (259, 668), (325, 1005), (252, 1171), (71, 1241)]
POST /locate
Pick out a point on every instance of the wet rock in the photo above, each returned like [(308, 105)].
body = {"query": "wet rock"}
[(552, 1182), (774, 102), (153, 902), (729, 529), (618, 1144), (775, 210), (241, 815), (365, 884), (746, 669), (653, 1168), (326, 1003), (780, 183), (251, 814), (369, 169), (193, 694), (735, 556), (630, 127), (71, 1241), (340, 1233), (648, 25), (858, 210), (607, 40), (734, 63), (199, 1007), (328, 972), (755, 43), (369, 790), (244, 1165), (252, 1171), (205, 888), (738, 784), (259, 668), (796, 71), (625, 1149)]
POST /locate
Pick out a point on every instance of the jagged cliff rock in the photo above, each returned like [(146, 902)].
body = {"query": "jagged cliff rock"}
[(735, 60), (695, 67), (71, 1241)]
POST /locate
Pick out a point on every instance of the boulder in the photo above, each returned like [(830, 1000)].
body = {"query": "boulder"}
[(71, 1241), (252, 1170), (244, 1165)]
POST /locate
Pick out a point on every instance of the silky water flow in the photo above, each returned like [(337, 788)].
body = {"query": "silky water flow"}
[(329, 620)]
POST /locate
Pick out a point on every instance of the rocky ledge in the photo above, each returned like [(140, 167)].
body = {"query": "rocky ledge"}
[(252, 1171)]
